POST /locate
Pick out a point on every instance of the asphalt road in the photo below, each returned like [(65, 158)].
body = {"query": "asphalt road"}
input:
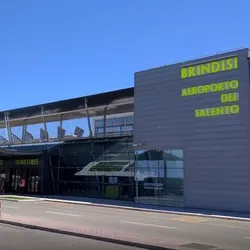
[(16, 238), (170, 229)]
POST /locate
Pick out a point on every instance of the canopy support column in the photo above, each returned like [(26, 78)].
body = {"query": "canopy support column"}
[(8, 127), (44, 123), (104, 121), (88, 117), (24, 131)]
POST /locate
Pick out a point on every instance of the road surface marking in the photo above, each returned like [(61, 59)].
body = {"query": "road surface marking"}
[(12, 207), (148, 225), (230, 226), (247, 238), (190, 219), (74, 215)]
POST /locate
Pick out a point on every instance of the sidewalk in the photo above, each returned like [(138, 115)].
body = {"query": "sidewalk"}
[(102, 234), (118, 236), (130, 205)]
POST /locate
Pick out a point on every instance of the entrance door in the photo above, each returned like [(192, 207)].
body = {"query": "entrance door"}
[(16, 174), (33, 180), (2, 177), (31, 176)]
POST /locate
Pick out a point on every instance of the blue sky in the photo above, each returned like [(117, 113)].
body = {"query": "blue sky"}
[(58, 49), (53, 49)]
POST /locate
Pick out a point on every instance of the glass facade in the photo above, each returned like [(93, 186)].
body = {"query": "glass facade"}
[(101, 168), (2, 176), (115, 126), (159, 177), (111, 168)]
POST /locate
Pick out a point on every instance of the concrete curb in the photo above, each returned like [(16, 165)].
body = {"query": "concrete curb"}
[(13, 200), (5, 199), (87, 236), (31, 200), (149, 210), (19, 196)]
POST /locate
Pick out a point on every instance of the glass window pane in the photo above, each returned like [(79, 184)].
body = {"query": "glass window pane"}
[(130, 119), (159, 177), (119, 120), (99, 130), (110, 122), (99, 123)]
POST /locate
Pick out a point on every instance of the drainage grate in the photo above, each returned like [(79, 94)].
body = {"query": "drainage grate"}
[(198, 246)]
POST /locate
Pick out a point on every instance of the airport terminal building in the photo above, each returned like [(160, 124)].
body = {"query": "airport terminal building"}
[(180, 137)]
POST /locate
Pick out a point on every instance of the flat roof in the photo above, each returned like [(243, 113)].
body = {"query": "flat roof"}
[(118, 101), (199, 59)]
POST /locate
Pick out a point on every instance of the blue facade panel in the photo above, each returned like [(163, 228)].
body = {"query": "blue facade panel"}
[(216, 147)]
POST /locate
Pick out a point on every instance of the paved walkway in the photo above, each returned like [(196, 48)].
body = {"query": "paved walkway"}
[(12, 237), (174, 231), (131, 205)]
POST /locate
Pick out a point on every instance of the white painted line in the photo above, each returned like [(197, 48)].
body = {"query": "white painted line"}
[(247, 238), (73, 215), (11, 207), (149, 210), (148, 225)]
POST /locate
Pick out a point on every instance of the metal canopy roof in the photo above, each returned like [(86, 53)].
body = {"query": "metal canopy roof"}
[(118, 101)]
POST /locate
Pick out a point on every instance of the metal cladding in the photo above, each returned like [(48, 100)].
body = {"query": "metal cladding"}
[(202, 107)]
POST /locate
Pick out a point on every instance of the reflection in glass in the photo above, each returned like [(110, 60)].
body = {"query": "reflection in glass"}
[(159, 177), (103, 168)]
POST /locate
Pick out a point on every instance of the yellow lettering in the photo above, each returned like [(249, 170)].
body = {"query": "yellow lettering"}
[(229, 64), (213, 111), (234, 84), (217, 111), (184, 92), (197, 113), (206, 89), (190, 91), (198, 70), (227, 85), (205, 69), (226, 110), (194, 91), (210, 67), (236, 66), (191, 71), (214, 87), (200, 89), (223, 66), (230, 97), (35, 162), (202, 112), (184, 73), (27, 162), (235, 109), (220, 86), (223, 98), (220, 111), (215, 66)]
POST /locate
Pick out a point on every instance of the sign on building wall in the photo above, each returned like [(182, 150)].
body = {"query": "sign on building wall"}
[(27, 162), (227, 91)]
